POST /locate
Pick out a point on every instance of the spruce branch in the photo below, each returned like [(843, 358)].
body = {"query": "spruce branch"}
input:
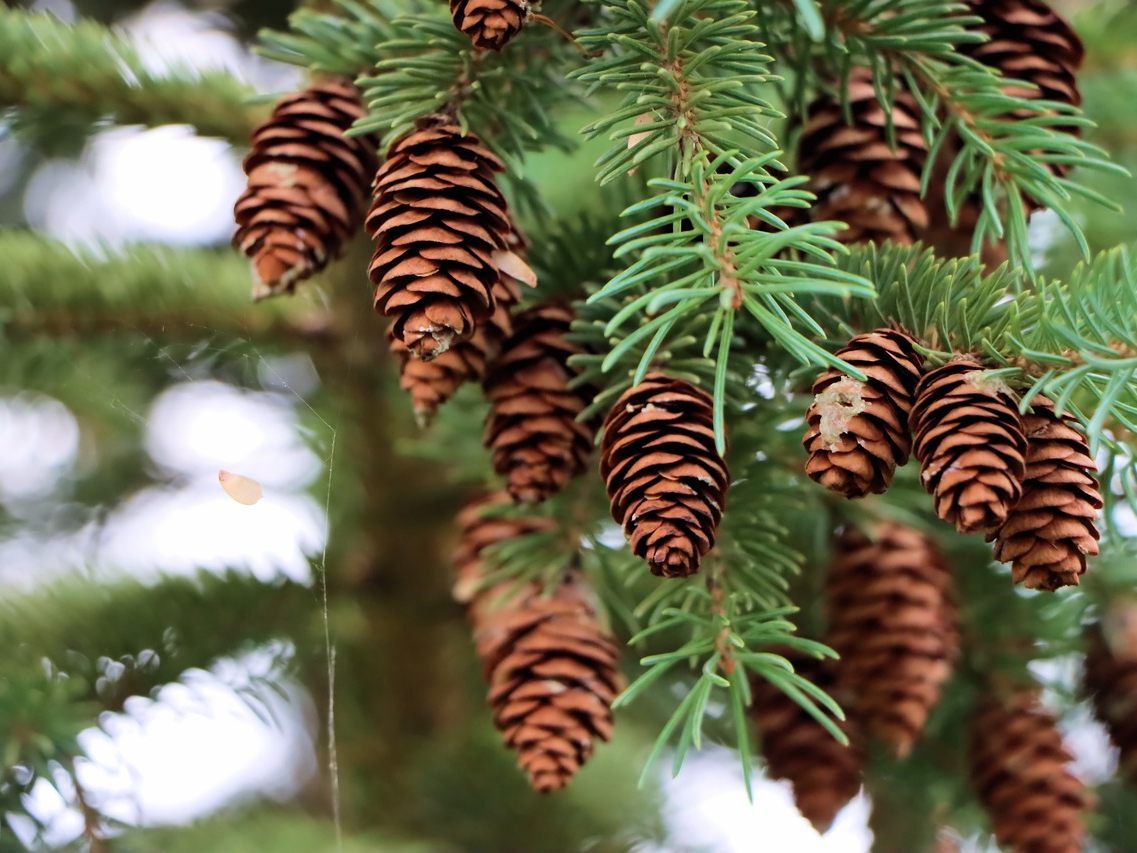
[(48, 288), (85, 72), (1013, 150), (82, 626), (694, 77)]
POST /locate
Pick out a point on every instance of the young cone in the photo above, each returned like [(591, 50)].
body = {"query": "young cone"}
[(1110, 679), (1019, 772), (858, 177), (824, 774), (893, 620), (432, 383), (307, 186), (666, 481), (442, 230), (968, 436), (1052, 529), (490, 24), (537, 443), (857, 431)]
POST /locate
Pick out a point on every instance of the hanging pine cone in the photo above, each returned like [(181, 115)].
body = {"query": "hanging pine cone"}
[(490, 24), (970, 443), (432, 383), (442, 230), (1029, 42), (858, 178), (666, 481), (537, 443), (857, 432), (1110, 679), (1019, 771), (307, 186), (824, 774), (1052, 529), (553, 675), (893, 620), (481, 525)]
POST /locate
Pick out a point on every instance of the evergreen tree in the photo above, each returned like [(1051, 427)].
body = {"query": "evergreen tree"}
[(624, 255)]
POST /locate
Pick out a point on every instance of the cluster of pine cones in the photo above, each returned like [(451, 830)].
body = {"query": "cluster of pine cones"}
[(448, 268), (1027, 482), (893, 619)]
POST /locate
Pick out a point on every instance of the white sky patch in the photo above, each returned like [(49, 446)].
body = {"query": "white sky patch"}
[(184, 529), (165, 185), (706, 809), (198, 747), (196, 428), (40, 438)]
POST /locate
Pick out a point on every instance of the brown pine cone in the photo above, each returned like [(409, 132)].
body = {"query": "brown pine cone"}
[(490, 24), (441, 228), (666, 481), (307, 187), (858, 178), (1110, 679), (537, 443), (479, 528), (824, 774), (968, 436), (1052, 529), (894, 621), (857, 432), (1029, 43), (553, 674), (1019, 772), (432, 383)]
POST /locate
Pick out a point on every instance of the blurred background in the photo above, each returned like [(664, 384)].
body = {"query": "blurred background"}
[(202, 723)]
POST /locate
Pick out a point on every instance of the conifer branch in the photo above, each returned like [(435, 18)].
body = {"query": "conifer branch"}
[(697, 90), (48, 288), (84, 72), (1013, 150)]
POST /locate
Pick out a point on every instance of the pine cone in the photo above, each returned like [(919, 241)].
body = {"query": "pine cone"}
[(490, 24), (857, 432), (441, 227), (893, 620), (824, 774), (432, 383), (307, 187), (857, 176), (553, 675), (479, 528), (1110, 680), (1018, 769), (666, 481), (537, 443), (1031, 43), (970, 443), (1052, 529)]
